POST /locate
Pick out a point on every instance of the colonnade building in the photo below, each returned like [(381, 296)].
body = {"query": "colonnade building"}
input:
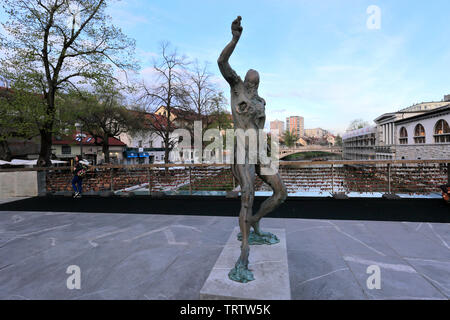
[(417, 132), (359, 144)]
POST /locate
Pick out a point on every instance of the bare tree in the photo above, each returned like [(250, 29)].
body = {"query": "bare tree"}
[(53, 45), (167, 92), (357, 124), (201, 96)]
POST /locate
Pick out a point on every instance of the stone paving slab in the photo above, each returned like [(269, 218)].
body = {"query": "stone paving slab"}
[(129, 256)]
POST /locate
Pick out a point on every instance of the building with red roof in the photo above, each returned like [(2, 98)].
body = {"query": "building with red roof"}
[(68, 147)]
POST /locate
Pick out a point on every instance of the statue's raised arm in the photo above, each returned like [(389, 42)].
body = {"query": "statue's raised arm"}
[(228, 73)]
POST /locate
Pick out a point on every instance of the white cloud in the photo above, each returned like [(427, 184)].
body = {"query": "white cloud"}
[(146, 57), (149, 75)]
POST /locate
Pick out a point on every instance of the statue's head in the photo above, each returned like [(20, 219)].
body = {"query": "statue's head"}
[(252, 79)]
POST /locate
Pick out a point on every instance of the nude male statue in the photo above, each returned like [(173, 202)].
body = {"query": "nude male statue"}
[(248, 110)]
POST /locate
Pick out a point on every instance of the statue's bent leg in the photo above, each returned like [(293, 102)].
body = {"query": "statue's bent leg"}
[(278, 197), (246, 176)]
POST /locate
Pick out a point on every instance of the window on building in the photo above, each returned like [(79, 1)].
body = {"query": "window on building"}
[(66, 150), (419, 134), (403, 136), (442, 132), (140, 144)]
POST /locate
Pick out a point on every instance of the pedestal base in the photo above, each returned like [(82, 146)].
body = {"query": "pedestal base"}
[(268, 263)]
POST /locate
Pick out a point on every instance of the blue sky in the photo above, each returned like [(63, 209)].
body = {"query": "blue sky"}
[(317, 59)]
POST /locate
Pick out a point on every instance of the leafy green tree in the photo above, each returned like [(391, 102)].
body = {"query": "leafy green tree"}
[(289, 139), (56, 45), (20, 113), (338, 141), (103, 115), (219, 116)]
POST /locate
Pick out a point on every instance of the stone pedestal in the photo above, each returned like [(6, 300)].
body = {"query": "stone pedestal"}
[(268, 263)]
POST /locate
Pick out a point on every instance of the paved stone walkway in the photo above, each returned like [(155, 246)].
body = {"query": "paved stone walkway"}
[(126, 256)]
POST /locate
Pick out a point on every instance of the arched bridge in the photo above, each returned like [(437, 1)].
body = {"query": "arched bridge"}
[(284, 152)]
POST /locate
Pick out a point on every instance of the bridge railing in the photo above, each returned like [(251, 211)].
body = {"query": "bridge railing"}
[(417, 177), (387, 177), (284, 152), (311, 147)]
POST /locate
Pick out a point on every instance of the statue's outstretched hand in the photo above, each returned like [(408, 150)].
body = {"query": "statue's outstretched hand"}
[(236, 27)]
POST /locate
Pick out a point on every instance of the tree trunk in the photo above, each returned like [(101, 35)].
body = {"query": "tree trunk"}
[(5, 152), (46, 148), (166, 151), (47, 132), (105, 149)]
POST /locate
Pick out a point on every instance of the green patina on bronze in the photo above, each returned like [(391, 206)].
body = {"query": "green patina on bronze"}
[(241, 273), (261, 238)]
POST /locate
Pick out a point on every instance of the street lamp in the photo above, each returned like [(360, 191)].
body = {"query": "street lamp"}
[(79, 127)]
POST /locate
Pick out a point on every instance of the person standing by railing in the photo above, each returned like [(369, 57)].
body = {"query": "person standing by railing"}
[(446, 192), (79, 173)]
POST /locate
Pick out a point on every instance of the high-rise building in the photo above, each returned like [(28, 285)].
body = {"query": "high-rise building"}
[(296, 125), (277, 125)]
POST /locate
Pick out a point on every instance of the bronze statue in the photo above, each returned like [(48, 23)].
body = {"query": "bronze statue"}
[(248, 110)]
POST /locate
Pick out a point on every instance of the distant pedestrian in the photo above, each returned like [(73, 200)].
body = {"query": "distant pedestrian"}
[(446, 192), (78, 174)]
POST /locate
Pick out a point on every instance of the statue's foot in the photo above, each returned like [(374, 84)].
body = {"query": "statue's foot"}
[(241, 273), (260, 238)]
